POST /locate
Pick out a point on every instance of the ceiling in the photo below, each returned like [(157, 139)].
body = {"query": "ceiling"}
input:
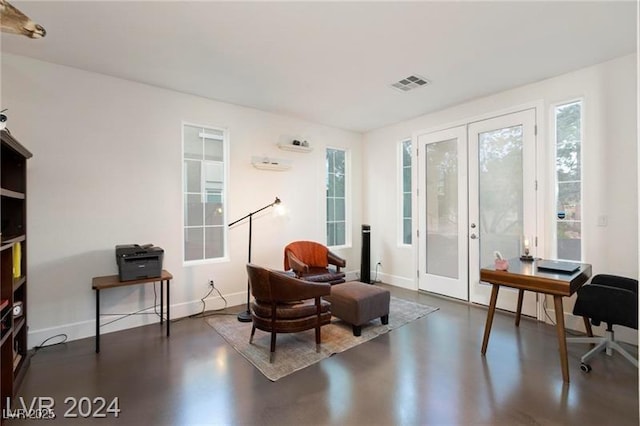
[(330, 62)]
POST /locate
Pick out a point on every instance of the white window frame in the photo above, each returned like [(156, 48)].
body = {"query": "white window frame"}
[(225, 193), (554, 174), (401, 192), (347, 195)]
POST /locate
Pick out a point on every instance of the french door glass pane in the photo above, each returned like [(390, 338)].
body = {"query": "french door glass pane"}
[(501, 192), (442, 208)]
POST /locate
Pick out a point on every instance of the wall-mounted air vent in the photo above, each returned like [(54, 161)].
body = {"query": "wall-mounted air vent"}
[(410, 83)]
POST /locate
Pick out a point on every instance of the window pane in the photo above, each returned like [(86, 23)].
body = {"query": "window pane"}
[(193, 243), (192, 176), (336, 202), (213, 149), (339, 209), (331, 217), (340, 234), (193, 210), (339, 185), (406, 179), (406, 153), (331, 191), (569, 200), (406, 238), (568, 121), (406, 191), (339, 162), (213, 209), (569, 240), (331, 234), (406, 205), (214, 242), (192, 143)]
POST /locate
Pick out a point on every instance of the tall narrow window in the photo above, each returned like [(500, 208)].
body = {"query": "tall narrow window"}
[(568, 124), (204, 192), (336, 197), (405, 155)]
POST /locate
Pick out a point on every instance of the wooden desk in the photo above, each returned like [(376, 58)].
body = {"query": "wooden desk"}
[(111, 281), (526, 276)]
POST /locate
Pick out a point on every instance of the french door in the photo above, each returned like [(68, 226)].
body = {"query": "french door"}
[(502, 199), (443, 248), (476, 197)]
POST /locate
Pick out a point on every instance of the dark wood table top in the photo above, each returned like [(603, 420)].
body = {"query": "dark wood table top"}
[(526, 276), (110, 281)]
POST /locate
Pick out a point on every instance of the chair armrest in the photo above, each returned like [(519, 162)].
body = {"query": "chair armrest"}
[(336, 260), (290, 289), (298, 266)]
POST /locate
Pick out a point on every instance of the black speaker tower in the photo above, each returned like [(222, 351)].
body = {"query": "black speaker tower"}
[(365, 261)]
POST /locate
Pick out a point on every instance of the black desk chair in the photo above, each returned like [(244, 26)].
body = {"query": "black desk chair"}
[(610, 299)]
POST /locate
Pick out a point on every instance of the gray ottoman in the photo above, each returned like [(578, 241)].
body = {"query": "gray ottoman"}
[(358, 303)]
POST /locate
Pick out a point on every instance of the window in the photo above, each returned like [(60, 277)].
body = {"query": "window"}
[(203, 153), (405, 158), (336, 197), (568, 138)]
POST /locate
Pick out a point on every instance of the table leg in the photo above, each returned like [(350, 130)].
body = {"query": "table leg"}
[(492, 310), (97, 321), (562, 340), (519, 310), (161, 301), (168, 305)]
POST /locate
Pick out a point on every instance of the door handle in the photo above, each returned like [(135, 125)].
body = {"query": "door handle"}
[(473, 236)]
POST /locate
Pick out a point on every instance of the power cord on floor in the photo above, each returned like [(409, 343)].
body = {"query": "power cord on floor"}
[(375, 279), (204, 313), (44, 345)]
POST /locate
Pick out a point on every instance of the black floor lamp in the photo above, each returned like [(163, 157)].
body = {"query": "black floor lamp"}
[(246, 315)]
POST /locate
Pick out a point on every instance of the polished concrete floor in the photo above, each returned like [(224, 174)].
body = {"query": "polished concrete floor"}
[(428, 372)]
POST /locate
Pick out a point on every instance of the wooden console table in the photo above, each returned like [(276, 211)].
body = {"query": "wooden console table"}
[(111, 281), (526, 276)]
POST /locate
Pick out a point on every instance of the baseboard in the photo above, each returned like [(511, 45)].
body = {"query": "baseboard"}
[(395, 281), (576, 323), (83, 329)]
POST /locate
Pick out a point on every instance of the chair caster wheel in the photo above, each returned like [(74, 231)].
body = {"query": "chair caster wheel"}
[(585, 367)]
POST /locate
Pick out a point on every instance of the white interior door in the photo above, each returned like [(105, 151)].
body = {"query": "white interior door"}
[(443, 248), (502, 199)]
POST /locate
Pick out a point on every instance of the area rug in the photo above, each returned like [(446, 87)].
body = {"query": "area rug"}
[(296, 351)]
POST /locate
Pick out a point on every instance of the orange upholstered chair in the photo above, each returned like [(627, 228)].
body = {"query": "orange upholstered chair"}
[(310, 262)]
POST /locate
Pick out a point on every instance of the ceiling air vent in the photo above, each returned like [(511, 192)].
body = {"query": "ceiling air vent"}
[(410, 83)]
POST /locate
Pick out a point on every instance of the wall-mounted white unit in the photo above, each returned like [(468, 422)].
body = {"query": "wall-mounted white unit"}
[(296, 148), (270, 163)]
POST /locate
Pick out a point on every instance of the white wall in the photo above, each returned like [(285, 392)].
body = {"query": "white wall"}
[(106, 170), (610, 166)]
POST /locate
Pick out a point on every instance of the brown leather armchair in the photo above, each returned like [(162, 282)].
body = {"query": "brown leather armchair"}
[(285, 304), (310, 262)]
